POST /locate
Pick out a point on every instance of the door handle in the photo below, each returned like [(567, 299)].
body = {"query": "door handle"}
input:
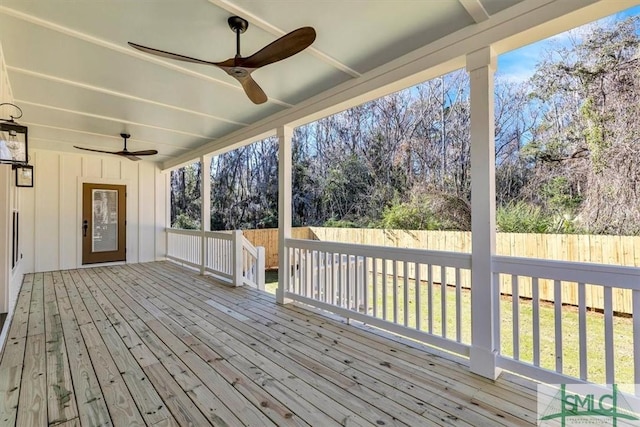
[(85, 225)]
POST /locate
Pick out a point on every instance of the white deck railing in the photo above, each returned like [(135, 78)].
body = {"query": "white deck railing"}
[(421, 294), (253, 262), (570, 335), (226, 255), (412, 292), (219, 256), (185, 246), (426, 295)]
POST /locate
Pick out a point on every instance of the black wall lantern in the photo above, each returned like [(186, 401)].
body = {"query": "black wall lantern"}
[(14, 147)]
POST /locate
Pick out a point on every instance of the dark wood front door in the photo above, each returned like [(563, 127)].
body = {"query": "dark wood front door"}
[(103, 225)]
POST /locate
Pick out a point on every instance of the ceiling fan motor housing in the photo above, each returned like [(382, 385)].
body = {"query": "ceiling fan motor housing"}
[(238, 24)]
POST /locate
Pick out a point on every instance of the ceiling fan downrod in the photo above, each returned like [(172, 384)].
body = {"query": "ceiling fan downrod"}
[(125, 136), (238, 26)]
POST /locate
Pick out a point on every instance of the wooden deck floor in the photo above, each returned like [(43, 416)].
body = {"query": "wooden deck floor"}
[(152, 344)]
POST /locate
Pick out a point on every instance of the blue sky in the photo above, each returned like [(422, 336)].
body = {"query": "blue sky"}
[(518, 65)]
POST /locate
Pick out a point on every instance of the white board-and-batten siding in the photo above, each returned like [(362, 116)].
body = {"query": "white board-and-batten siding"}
[(52, 209)]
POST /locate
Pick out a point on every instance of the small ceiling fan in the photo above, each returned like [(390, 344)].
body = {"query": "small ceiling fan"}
[(241, 67), (131, 155)]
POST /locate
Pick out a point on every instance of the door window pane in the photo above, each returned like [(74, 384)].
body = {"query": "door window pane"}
[(105, 220)]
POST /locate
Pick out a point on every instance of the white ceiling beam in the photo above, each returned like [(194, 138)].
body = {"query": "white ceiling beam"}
[(475, 9), (119, 94), (266, 26), (524, 23), (126, 50), (112, 119)]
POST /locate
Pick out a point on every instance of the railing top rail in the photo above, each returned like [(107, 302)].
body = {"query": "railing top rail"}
[(225, 235), (443, 258), (222, 235), (248, 246), (581, 272), (183, 231)]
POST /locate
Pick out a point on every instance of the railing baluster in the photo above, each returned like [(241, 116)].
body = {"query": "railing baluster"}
[(394, 266), (535, 300), (297, 285), (582, 329), (635, 295), (443, 299), (515, 312), (608, 335), (317, 271), (348, 277), (418, 285), (309, 273), (405, 273), (557, 304), (324, 277), (430, 299), (340, 301), (458, 306), (327, 278), (365, 283), (375, 286), (335, 271), (304, 256), (384, 288)]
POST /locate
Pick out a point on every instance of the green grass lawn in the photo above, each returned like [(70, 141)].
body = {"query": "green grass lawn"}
[(623, 328)]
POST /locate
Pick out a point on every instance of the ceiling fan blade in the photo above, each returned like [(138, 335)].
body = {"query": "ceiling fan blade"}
[(251, 88), (284, 47), (143, 152), (128, 155), (170, 55), (97, 151)]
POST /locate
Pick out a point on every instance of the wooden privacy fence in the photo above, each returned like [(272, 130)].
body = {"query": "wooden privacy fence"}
[(611, 250)]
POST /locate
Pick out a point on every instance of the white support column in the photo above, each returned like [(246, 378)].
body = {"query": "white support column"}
[(167, 212), (481, 66), (285, 163), (238, 258), (205, 208)]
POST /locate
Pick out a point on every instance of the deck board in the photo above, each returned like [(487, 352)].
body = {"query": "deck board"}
[(154, 344), (61, 400), (13, 356)]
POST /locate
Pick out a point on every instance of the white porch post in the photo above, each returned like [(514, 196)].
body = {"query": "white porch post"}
[(205, 207), (285, 136), (481, 66)]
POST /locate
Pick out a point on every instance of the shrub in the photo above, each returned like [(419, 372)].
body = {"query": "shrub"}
[(521, 217), (408, 216), (340, 223), (183, 221)]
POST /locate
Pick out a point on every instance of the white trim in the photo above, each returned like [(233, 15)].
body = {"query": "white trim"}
[(441, 258), (484, 307), (285, 166), (621, 277), (475, 9)]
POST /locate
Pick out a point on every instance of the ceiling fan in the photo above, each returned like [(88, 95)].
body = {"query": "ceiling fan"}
[(131, 155), (241, 67)]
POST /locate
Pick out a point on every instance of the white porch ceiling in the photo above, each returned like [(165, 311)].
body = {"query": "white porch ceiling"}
[(79, 83)]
